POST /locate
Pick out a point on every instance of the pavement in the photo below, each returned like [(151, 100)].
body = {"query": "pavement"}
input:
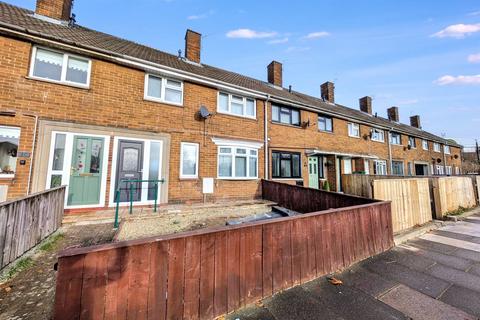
[(434, 276)]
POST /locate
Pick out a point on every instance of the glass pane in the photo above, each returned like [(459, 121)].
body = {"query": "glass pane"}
[(240, 166), (296, 165), (81, 155), (153, 169), (275, 113), (48, 65), (225, 150), (253, 152), (252, 169), (174, 83), (96, 156), (77, 70), (295, 117), (237, 99), (9, 139), (242, 151), (56, 181), (250, 108), (154, 88), (59, 151), (223, 101), (285, 168), (173, 95), (322, 124), (275, 164), (130, 159), (225, 166), (189, 157), (237, 108), (285, 118), (328, 124)]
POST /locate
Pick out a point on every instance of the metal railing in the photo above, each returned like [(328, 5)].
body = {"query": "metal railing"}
[(129, 185)]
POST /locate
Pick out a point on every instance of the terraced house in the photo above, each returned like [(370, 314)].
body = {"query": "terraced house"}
[(89, 110)]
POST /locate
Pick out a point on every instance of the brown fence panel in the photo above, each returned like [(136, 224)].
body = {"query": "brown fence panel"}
[(25, 222), (203, 274)]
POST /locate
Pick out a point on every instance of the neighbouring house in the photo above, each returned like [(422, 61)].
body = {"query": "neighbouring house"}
[(87, 109)]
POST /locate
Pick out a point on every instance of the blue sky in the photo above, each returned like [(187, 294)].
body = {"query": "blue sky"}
[(422, 56)]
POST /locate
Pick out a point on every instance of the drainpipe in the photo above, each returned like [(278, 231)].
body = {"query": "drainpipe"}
[(444, 161), (390, 166), (265, 116), (34, 116)]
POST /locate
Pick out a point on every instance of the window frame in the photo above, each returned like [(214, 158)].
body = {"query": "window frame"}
[(233, 154), (399, 138), (290, 113), (63, 75), (292, 177), (425, 144), (162, 90), (229, 102), (12, 175), (197, 150), (383, 164), (445, 148), (325, 122), (383, 135), (402, 166), (351, 125), (435, 149), (410, 139)]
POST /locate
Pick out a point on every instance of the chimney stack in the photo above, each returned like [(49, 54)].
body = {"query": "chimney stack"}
[(415, 122), (327, 91), (393, 114), (366, 104), (274, 71), (193, 44), (56, 9)]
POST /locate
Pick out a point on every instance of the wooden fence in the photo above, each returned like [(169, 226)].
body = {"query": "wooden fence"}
[(205, 273), (25, 222), (450, 193)]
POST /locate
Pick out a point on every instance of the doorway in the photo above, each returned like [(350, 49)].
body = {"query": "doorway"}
[(129, 167), (313, 172), (421, 169)]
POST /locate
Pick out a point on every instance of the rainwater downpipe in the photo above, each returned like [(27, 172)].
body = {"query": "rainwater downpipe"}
[(34, 116), (265, 116), (390, 166)]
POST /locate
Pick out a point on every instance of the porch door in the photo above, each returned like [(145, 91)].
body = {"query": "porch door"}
[(313, 172), (86, 170), (130, 167)]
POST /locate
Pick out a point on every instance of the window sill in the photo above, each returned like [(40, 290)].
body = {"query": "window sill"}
[(236, 179), (286, 124), (188, 178), (162, 101), (67, 84), (325, 131), (378, 141), (237, 115), (356, 137), (7, 176)]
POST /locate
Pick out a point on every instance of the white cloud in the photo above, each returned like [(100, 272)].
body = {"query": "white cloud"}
[(458, 31), (278, 41), (445, 80), (474, 58), (316, 35), (250, 34)]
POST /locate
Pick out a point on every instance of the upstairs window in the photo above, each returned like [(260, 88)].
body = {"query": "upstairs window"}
[(425, 144), (412, 142), (236, 105), (285, 115), (286, 165), (60, 67), (163, 90), (378, 135), (395, 138), (325, 123), (354, 130), (436, 147), (446, 149), (9, 139)]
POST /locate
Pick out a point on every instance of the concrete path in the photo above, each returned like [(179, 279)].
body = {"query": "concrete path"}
[(435, 276)]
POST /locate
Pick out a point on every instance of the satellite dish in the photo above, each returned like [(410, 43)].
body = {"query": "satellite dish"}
[(204, 113)]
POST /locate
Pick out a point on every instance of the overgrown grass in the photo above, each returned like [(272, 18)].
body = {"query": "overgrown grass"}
[(21, 265), (458, 212), (50, 243)]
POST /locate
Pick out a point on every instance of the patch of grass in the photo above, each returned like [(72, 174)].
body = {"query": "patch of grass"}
[(50, 243), (458, 212), (21, 265)]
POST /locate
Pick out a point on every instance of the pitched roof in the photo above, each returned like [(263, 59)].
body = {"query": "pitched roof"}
[(24, 20)]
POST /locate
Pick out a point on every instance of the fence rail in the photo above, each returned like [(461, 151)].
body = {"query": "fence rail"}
[(206, 273), (25, 222)]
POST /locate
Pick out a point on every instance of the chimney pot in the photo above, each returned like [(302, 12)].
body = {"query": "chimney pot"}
[(274, 73), (193, 44), (56, 9), (415, 121), (327, 91), (393, 114), (366, 104)]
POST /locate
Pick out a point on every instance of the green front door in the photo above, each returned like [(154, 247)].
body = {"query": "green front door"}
[(313, 172), (86, 171)]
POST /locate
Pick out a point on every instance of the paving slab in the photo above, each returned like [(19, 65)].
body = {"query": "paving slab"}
[(475, 270), (462, 298), (470, 220), (417, 280), (456, 235), (351, 303), (467, 254), (366, 281), (252, 312), (432, 246), (445, 259), (407, 258), (452, 242), (421, 307), (458, 277), (468, 228)]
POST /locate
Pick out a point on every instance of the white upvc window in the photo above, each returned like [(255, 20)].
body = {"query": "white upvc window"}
[(412, 142), (457, 170), (236, 105), (425, 144), (354, 130), (380, 167), (347, 165), (439, 169), (395, 138), (436, 147), (448, 170), (378, 135), (189, 156), (163, 90), (9, 141), (237, 163), (58, 67), (446, 149)]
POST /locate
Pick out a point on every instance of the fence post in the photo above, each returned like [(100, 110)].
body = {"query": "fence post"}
[(115, 225), (156, 195), (131, 197)]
